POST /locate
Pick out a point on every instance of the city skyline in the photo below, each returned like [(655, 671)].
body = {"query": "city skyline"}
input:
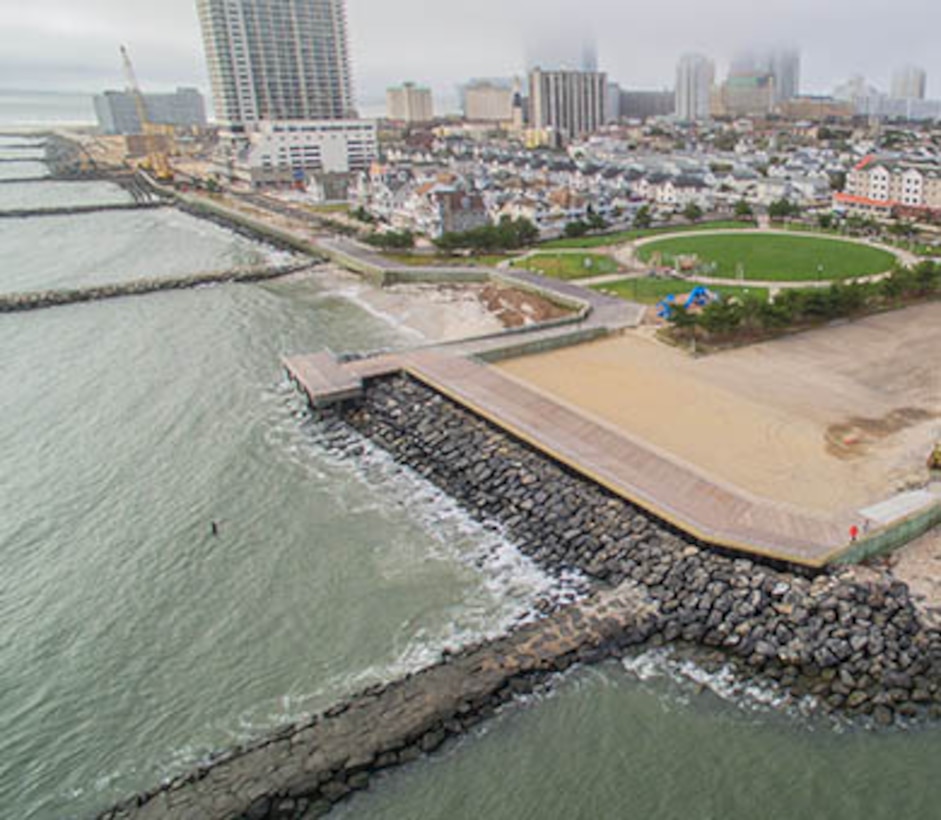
[(53, 44)]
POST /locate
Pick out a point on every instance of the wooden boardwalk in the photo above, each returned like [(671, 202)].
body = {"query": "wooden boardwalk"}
[(677, 492)]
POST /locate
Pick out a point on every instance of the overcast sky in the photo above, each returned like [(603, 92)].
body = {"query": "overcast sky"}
[(73, 44)]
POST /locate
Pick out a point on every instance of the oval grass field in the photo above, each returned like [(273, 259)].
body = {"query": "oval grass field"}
[(773, 257)]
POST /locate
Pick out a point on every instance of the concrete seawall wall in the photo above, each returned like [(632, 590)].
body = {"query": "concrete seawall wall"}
[(206, 208)]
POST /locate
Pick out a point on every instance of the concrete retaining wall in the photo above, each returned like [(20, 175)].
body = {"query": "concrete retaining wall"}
[(892, 537)]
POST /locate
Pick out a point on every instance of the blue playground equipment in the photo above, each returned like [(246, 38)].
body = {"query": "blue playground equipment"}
[(699, 297)]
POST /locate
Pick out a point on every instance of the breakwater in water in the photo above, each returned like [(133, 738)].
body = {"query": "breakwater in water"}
[(304, 769), (839, 641), (37, 300), (77, 210)]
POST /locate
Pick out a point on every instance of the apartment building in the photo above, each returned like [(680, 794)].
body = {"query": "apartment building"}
[(879, 187), (277, 60)]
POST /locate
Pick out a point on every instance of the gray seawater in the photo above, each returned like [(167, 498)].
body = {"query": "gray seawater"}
[(115, 246), (133, 642), (53, 194)]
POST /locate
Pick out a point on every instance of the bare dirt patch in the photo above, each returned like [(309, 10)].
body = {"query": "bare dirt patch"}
[(854, 437), (518, 308)]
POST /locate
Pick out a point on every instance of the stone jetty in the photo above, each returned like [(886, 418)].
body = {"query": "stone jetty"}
[(26, 180), (36, 300), (304, 769), (77, 210), (845, 643)]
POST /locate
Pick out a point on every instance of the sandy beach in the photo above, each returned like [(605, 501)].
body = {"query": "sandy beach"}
[(442, 313), (830, 420)]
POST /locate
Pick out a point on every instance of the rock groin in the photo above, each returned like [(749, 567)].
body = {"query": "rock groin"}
[(303, 769), (37, 300)]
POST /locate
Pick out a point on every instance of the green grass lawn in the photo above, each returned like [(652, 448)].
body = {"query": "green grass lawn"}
[(776, 258), (640, 233), (332, 208), (418, 260), (569, 265), (649, 290)]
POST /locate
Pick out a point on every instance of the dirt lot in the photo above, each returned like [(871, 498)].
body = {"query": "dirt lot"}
[(831, 420)]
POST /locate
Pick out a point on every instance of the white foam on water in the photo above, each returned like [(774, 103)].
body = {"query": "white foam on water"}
[(354, 295), (512, 588), (748, 694)]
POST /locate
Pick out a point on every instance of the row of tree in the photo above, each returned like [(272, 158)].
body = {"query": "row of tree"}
[(729, 319), (507, 235)]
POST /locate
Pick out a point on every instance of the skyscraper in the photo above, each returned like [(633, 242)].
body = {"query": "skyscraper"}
[(694, 77), (571, 102), (785, 66), (277, 59), (567, 50), (409, 103), (908, 83)]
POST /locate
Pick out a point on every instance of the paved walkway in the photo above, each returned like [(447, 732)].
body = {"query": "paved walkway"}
[(677, 492)]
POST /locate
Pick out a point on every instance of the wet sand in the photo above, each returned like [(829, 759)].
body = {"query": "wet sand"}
[(830, 420)]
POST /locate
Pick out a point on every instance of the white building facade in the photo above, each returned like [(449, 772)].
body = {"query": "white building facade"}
[(277, 59), (573, 103), (488, 102), (909, 83), (409, 103), (294, 152)]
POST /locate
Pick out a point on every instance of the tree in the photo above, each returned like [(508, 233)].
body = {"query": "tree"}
[(575, 229), (363, 215), (643, 219), (392, 240), (838, 181), (722, 317), (743, 210), (683, 321), (692, 212), (825, 221), (595, 221), (507, 234), (782, 209)]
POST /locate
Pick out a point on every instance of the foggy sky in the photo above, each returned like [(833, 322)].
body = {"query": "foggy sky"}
[(73, 44)]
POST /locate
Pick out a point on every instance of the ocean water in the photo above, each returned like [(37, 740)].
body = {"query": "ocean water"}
[(22, 110), (51, 194), (133, 641)]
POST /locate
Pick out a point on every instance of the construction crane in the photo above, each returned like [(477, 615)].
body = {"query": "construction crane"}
[(154, 137)]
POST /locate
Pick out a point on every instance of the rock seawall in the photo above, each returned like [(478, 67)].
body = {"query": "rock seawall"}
[(855, 645)]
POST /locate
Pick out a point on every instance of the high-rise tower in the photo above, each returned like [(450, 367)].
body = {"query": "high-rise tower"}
[(571, 102), (694, 78), (908, 83), (277, 59)]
